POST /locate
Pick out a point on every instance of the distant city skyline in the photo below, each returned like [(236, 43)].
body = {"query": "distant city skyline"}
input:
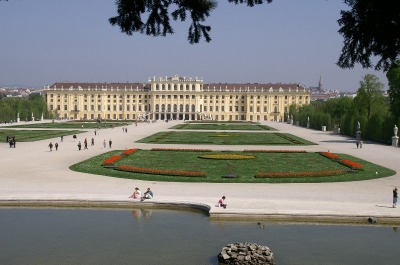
[(288, 41)]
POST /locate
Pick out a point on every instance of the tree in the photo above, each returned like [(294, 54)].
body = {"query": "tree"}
[(393, 76), (131, 15), (369, 95), (370, 28)]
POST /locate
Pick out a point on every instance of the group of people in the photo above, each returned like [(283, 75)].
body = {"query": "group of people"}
[(51, 146), (105, 143), (137, 194)]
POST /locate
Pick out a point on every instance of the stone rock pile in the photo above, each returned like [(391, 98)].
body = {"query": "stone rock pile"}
[(246, 254)]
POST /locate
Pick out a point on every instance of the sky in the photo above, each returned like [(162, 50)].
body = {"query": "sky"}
[(288, 41)]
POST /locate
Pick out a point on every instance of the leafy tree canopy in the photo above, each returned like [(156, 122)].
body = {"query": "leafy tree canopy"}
[(371, 28), (369, 95), (152, 17), (393, 76)]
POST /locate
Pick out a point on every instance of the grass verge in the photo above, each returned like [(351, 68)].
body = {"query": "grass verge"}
[(35, 135)]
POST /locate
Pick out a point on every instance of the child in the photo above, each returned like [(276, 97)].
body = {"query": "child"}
[(221, 202)]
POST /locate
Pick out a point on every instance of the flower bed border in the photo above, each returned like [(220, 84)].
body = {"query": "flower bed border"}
[(227, 157), (326, 173), (181, 149), (345, 162), (162, 171), (275, 151)]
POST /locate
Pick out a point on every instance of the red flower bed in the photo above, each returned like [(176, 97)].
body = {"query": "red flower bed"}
[(163, 171), (111, 160), (129, 151), (351, 164), (179, 149), (299, 174), (276, 151), (330, 155)]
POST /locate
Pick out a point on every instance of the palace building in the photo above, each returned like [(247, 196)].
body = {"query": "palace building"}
[(174, 97)]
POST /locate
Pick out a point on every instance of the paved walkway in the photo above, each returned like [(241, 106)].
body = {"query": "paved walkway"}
[(30, 172)]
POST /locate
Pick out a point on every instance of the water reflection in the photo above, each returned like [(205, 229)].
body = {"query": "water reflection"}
[(154, 236)]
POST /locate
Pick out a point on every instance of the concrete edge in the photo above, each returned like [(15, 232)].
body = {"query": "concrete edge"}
[(106, 204), (205, 209), (308, 218)]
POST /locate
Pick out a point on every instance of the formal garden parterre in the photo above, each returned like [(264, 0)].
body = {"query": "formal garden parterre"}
[(264, 166), (225, 138), (74, 125), (223, 126)]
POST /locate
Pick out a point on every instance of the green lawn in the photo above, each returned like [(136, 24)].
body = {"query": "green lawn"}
[(34, 135), (244, 169), (224, 138), (222, 126), (72, 125)]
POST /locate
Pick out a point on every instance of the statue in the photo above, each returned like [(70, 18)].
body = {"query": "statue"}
[(395, 138)]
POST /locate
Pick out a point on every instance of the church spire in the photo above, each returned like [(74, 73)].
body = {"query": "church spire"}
[(320, 83)]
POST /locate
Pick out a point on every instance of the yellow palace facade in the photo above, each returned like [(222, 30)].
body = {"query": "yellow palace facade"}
[(174, 98)]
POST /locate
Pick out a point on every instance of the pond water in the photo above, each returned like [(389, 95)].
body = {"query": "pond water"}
[(155, 236)]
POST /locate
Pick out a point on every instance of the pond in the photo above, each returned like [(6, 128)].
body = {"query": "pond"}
[(156, 236)]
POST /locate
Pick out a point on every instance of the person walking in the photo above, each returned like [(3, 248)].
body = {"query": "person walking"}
[(104, 143), (51, 146), (92, 143), (79, 145), (395, 197), (62, 138), (85, 143), (56, 146), (109, 143)]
